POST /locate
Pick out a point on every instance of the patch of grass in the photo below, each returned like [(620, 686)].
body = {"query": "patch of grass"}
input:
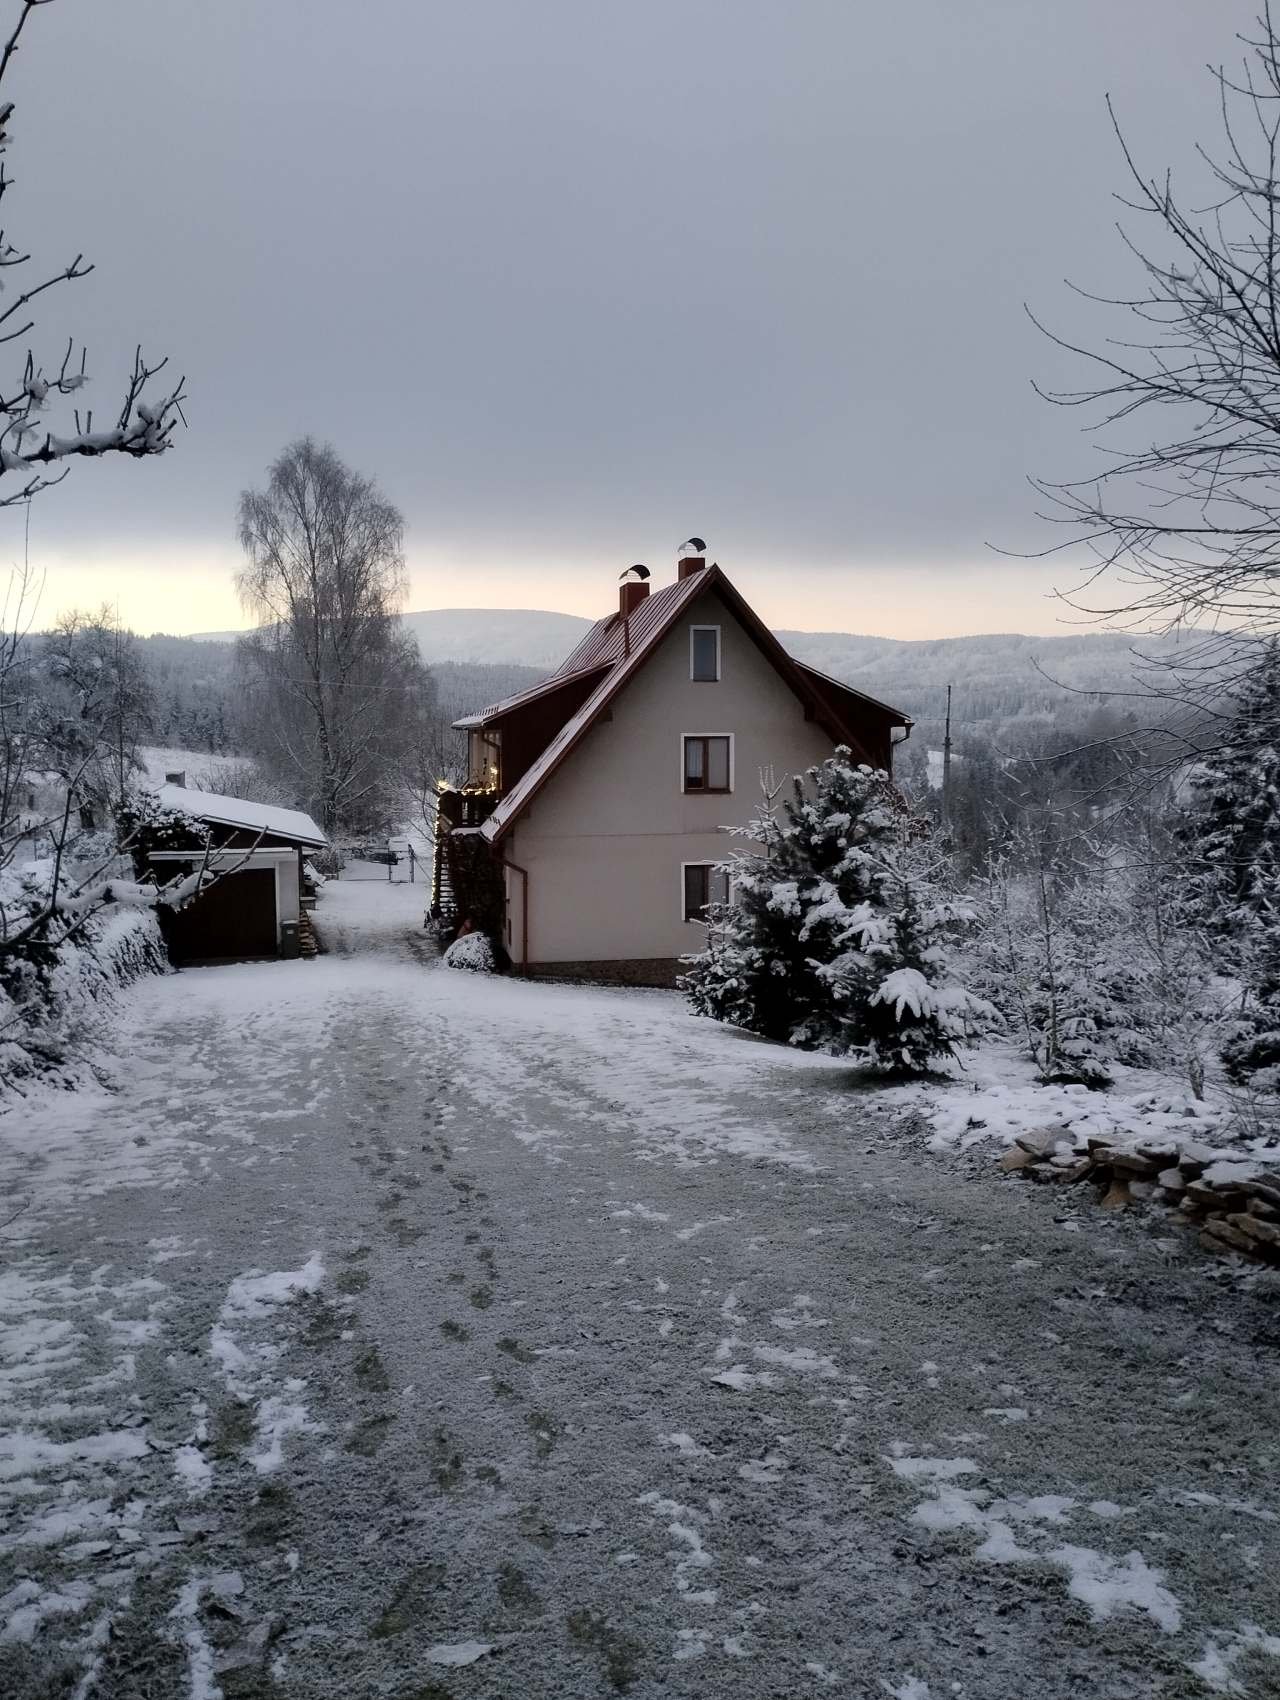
[(446, 1460), (369, 1436), (270, 1516), (454, 1330), (409, 1603), (243, 1684), (371, 1372), (515, 1350), (505, 1391), (37, 1676), (405, 1232), (355, 1256), (515, 1592), (546, 1432), (231, 1429), (135, 1659), (323, 1323), (352, 1281), (618, 1652), (470, 1237), (534, 1527), (481, 1297), (487, 1473)]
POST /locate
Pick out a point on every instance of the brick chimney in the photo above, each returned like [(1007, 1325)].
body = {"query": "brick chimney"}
[(631, 593), (688, 565)]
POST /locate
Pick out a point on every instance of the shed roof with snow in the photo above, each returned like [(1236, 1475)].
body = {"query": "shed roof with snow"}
[(289, 824)]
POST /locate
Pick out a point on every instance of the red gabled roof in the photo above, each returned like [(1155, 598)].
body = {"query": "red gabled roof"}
[(618, 648)]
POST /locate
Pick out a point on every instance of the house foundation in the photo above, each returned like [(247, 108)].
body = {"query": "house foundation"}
[(660, 971)]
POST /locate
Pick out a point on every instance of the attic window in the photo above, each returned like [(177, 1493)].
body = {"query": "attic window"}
[(708, 762), (704, 654), (704, 883)]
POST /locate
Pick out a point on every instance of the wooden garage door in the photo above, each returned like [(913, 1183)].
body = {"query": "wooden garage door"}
[(234, 918)]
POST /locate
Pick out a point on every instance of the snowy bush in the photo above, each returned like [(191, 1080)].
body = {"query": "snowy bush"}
[(1087, 949), (473, 952), (837, 938), (1230, 839), (52, 995), (1231, 833), (146, 824)]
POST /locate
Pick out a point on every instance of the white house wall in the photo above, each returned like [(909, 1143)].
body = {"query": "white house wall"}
[(604, 840)]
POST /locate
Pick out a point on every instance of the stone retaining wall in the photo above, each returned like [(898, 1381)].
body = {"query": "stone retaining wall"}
[(1233, 1202)]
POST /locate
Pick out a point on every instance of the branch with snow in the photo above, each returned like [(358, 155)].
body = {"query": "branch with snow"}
[(144, 421)]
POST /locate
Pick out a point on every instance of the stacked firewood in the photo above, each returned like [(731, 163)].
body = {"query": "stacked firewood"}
[(1234, 1202)]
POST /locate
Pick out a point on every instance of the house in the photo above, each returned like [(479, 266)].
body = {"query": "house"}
[(596, 800), (252, 904)]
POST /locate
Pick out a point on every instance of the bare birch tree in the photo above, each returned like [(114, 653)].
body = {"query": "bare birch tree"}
[(342, 692)]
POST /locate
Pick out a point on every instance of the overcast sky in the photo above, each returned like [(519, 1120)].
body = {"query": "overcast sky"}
[(575, 279)]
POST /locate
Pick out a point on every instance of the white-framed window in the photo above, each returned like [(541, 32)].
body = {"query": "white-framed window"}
[(704, 654), (701, 883), (706, 762)]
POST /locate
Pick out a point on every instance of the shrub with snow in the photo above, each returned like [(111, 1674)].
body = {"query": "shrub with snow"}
[(53, 993), (1231, 840), (837, 938), (146, 824), (473, 952)]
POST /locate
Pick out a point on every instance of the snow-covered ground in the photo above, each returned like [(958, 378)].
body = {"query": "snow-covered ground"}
[(398, 1330), (994, 1096), (200, 766)]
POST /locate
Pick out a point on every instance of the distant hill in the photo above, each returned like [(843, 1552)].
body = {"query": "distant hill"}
[(521, 637), (999, 679)]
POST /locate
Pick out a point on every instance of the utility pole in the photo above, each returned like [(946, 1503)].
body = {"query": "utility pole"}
[(946, 763)]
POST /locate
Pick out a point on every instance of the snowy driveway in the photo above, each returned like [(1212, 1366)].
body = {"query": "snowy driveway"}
[(395, 1332)]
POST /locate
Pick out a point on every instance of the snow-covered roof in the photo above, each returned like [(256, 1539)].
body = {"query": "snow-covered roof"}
[(239, 811)]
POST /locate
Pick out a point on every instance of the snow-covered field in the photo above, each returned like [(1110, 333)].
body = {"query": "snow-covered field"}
[(397, 1330), (200, 766)]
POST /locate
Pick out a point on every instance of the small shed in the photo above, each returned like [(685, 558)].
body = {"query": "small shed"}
[(251, 907)]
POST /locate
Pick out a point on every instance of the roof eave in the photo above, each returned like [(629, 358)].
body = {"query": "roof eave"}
[(513, 705)]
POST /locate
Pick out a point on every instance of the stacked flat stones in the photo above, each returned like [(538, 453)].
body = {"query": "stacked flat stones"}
[(1234, 1202)]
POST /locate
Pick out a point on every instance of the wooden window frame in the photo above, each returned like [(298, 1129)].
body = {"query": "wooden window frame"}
[(700, 918), (705, 738), (693, 631)]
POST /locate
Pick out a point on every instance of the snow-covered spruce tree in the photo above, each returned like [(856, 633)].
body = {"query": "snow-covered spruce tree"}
[(1251, 1054), (1231, 836), (836, 936)]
